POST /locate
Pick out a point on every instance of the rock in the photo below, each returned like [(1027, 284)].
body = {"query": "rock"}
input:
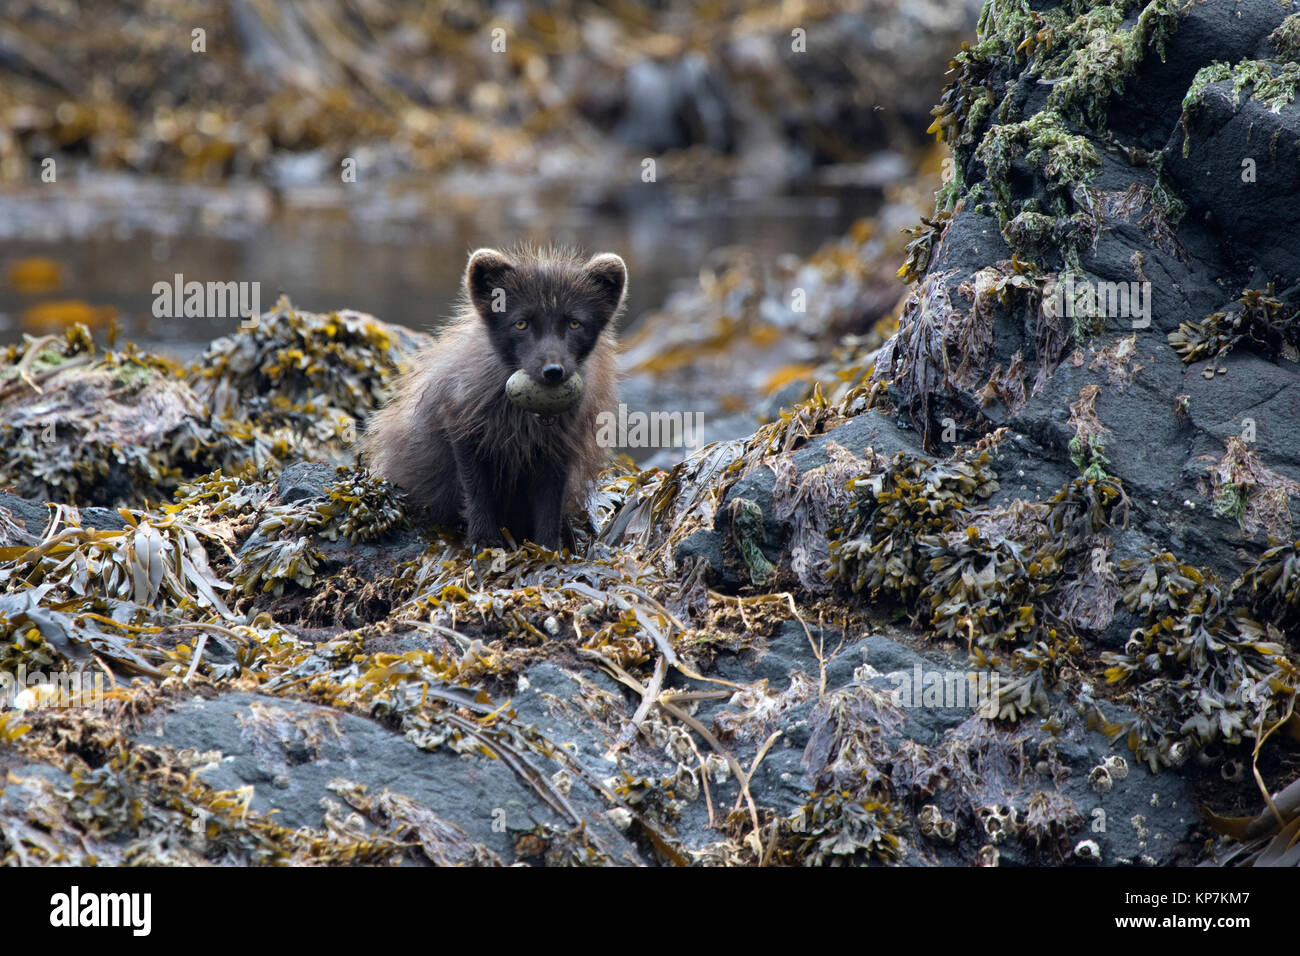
[(541, 398), (304, 479), (291, 753)]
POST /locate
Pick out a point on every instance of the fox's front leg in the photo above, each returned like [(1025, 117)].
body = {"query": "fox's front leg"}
[(482, 504), (548, 505)]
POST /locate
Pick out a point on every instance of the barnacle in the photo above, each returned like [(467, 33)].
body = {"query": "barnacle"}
[(1050, 818), (1088, 850), (1100, 779), (998, 822), (934, 825), (1116, 766)]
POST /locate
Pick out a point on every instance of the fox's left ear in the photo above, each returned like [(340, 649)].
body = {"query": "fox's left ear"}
[(608, 275)]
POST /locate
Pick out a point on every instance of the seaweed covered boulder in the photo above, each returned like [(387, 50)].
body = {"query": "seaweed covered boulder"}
[(1096, 280), (122, 427), (1076, 458), (101, 428)]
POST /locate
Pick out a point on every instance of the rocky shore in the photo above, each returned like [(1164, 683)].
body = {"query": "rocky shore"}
[(1005, 574)]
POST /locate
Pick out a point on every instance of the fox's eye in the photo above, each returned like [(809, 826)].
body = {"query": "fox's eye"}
[(574, 324), (521, 324)]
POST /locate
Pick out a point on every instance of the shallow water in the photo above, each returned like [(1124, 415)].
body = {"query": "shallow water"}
[(396, 251)]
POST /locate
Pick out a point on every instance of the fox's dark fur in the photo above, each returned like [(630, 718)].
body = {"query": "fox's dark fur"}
[(463, 453)]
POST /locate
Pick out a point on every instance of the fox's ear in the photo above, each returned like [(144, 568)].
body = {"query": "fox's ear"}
[(608, 276), (484, 276)]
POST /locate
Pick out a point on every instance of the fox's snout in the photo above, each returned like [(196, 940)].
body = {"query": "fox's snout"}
[(549, 362)]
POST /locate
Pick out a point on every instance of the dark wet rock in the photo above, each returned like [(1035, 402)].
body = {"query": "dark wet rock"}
[(30, 516), (1232, 236), (1232, 162), (304, 479), (291, 752)]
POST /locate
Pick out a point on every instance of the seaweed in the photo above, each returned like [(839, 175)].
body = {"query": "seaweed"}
[(1258, 320), (102, 428), (1272, 587), (1243, 489), (1220, 678)]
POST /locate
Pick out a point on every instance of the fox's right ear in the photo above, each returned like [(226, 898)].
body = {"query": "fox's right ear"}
[(484, 278)]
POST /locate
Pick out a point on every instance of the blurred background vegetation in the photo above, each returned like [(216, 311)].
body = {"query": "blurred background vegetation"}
[(210, 139)]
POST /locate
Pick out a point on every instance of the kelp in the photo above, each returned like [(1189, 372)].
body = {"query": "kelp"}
[(299, 383), (880, 550), (152, 561), (124, 427), (1272, 588)]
